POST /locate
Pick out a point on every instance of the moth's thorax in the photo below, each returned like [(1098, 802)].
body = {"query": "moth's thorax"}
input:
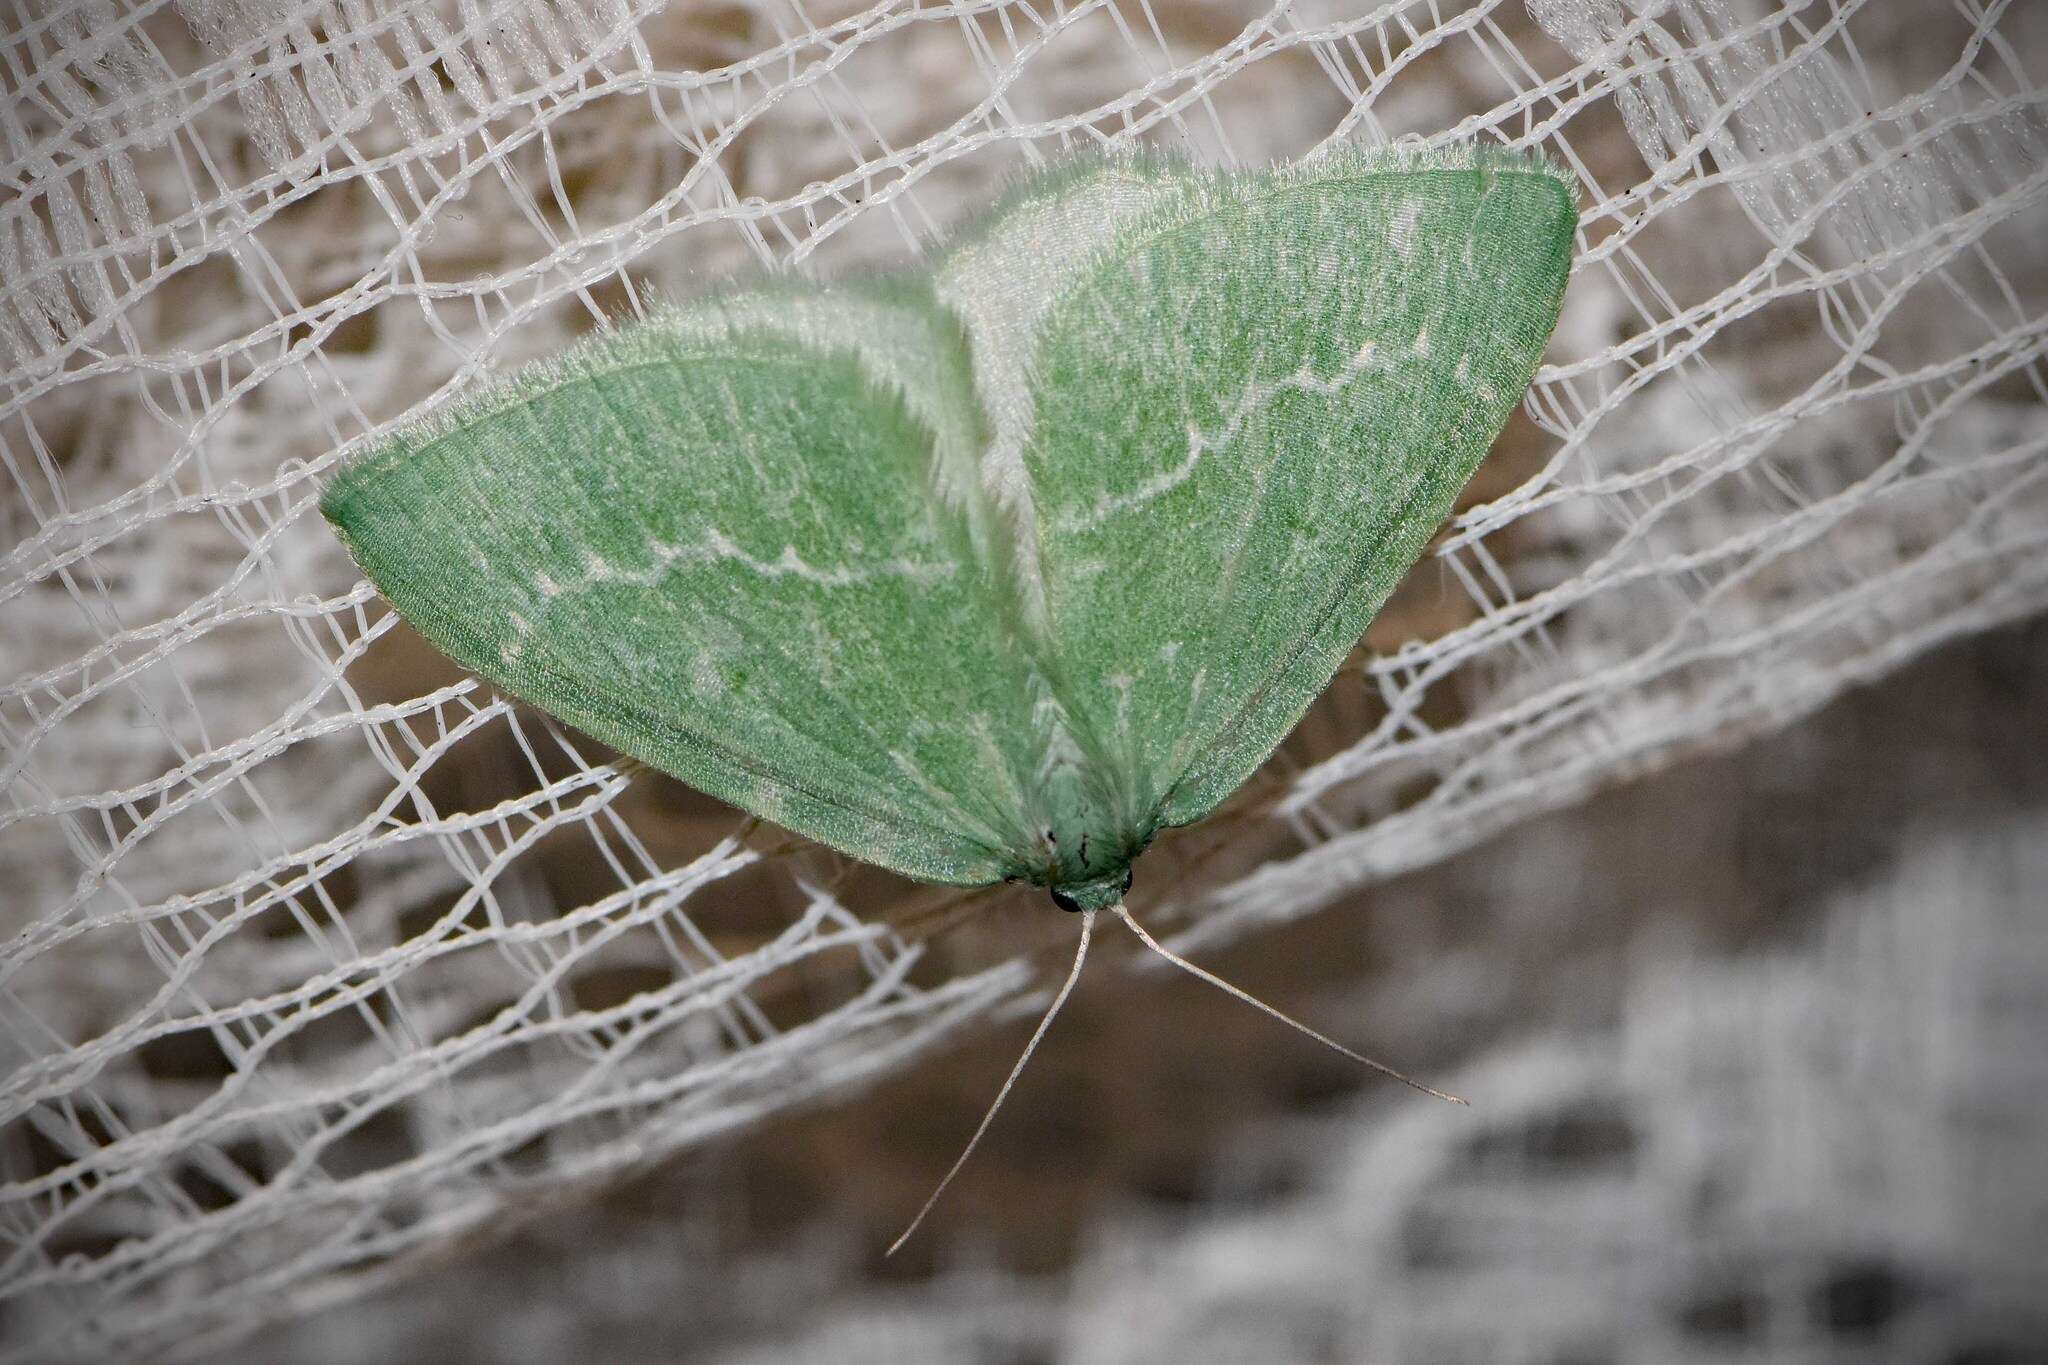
[(1086, 844)]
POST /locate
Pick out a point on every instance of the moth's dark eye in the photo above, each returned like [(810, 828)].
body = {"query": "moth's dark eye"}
[(1065, 902), (1128, 874)]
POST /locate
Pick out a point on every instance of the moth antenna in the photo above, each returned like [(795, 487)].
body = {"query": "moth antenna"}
[(1177, 960), (1066, 989)]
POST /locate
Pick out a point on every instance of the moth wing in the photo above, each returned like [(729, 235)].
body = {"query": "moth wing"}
[(736, 542), (1253, 405)]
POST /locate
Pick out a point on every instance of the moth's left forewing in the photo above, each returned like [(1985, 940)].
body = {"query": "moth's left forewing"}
[(736, 542), (1249, 414)]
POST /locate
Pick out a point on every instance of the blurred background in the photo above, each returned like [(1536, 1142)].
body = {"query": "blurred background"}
[(1684, 809), (1754, 1051)]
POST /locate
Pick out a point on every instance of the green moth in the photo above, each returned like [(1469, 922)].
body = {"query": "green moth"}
[(994, 569)]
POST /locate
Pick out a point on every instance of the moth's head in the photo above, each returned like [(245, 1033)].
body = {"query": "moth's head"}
[(1097, 893)]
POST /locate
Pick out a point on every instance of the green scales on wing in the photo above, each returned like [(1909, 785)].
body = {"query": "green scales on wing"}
[(995, 569)]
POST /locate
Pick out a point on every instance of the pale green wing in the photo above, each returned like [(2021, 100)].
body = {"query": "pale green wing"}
[(1251, 405), (740, 542)]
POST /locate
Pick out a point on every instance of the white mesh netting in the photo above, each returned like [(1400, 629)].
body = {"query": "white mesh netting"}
[(319, 956)]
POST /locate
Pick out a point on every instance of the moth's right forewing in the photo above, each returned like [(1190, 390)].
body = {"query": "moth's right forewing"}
[(1250, 412), (1005, 277)]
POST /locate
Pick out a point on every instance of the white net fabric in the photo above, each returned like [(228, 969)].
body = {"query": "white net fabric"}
[(319, 956)]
